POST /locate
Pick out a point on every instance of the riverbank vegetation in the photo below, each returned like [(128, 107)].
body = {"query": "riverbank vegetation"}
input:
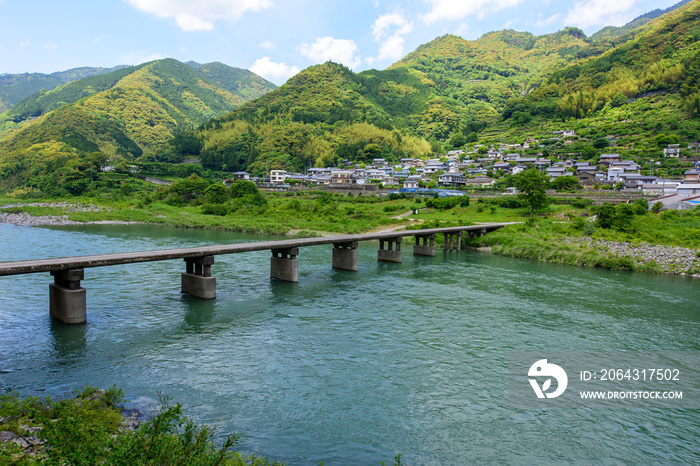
[(91, 429), (568, 230)]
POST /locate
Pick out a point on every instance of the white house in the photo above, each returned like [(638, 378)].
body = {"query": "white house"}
[(688, 189), (672, 150), (278, 176)]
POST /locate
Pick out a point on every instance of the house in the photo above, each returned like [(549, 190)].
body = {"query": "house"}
[(607, 159), (672, 150), (614, 173), (518, 169), (319, 171), (691, 176), (431, 168), (479, 181), (241, 176), (628, 165), (452, 179), (526, 160), (411, 162), (688, 189), (412, 182), (554, 172), (586, 169), (401, 176), (278, 176), (585, 178), (342, 177), (505, 166)]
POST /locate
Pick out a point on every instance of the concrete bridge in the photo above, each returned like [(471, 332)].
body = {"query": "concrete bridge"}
[(67, 299)]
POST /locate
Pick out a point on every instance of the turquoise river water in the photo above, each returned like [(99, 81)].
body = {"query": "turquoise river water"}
[(351, 367)]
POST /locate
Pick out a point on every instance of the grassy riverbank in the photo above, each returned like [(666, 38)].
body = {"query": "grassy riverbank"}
[(661, 243), (91, 429), (626, 237)]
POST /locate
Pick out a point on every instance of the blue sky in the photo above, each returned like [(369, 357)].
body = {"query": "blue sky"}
[(273, 38)]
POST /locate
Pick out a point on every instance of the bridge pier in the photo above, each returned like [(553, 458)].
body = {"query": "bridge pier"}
[(345, 256), (393, 253), (67, 299), (453, 241), (428, 246), (284, 264), (197, 280)]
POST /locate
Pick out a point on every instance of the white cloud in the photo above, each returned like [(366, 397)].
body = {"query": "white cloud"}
[(327, 48), (382, 27), (50, 45), (389, 30), (268, 45), (460, 9), (273, 71), (190, 23), (601, 13), (138, 58), (545, 22), (200, 15), (24, 43)]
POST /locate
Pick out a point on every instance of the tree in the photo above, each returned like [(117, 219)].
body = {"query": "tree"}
[(533, 188), (216, 194), (243, 188)]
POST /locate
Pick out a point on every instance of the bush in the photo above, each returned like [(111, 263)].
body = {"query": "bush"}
[(443, 203), (581, 203), (243, 188), (214, 209), (216, 194)]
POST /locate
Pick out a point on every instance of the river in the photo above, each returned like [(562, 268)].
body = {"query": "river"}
[(350, 367)]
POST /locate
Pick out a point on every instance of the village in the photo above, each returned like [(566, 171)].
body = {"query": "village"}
[(482, 168)]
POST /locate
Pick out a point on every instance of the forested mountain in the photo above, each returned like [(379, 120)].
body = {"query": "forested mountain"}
[(129, 113), (447, 92), (15, 87), (611, 32)]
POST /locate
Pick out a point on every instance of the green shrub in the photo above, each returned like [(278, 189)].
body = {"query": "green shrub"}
[(443, 203), (215, 209), (216, 194)]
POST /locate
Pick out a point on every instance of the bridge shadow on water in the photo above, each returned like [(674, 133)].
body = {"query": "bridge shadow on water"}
[(68, 341)]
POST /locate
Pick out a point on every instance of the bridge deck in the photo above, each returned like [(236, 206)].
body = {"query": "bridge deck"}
[(101, 260)]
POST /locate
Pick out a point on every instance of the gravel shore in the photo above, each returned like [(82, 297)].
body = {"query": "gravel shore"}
[(24, 219), (671, 259)]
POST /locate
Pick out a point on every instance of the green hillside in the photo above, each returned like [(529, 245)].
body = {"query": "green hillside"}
[(323, 113), (636, 92), (130, 113), (15, 87), (612, 32), (662, 57), (443, 92)]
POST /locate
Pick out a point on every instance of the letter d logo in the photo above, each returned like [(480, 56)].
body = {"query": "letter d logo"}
[(543, 369)]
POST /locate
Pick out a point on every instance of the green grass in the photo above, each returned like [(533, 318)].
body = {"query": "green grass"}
[(539, 237), (87, 430)]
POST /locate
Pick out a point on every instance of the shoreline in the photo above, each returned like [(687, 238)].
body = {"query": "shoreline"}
[(28, 220), (670, 260)]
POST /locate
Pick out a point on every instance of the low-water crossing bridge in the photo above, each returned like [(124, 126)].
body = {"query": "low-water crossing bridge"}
[(67, 299)]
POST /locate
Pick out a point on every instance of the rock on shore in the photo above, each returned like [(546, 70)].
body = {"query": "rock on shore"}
[(670, 259)]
